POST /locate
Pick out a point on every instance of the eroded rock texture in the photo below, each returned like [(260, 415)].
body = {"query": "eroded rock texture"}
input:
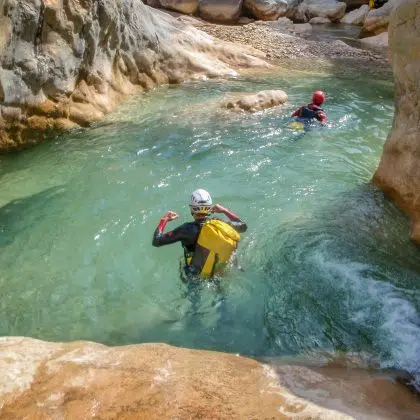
[(399, 169), (65, 63), (83, 380), (257, 101)]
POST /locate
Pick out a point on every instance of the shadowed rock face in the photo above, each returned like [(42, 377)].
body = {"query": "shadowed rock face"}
[(84, 380), (65, 63), (398, 174)]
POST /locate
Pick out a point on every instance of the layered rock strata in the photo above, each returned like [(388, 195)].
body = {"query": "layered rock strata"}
[(66, 63)]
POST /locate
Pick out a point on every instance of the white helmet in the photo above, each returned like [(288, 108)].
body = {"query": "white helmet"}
[(200, 202)]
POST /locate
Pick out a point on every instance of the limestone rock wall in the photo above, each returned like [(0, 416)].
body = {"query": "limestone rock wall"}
[(65, 63), (398, 174)]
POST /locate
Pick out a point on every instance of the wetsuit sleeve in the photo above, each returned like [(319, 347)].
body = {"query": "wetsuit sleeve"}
[(322, 116), (160, 238), (235, 221)]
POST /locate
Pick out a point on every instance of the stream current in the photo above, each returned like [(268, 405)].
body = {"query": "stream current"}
[(327, 263)]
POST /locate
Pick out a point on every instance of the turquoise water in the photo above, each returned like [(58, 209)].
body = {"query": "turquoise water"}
[(327, 263)]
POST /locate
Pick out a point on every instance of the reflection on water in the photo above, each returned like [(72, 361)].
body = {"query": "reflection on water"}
[(326, 259)]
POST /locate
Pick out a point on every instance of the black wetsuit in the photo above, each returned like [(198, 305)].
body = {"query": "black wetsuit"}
[(188, 233)]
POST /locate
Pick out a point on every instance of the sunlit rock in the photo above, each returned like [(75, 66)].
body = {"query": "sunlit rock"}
[(308, 9), (220, 10), (301, 28), (399, 169), (183, 6), (266, 9), (377, 20), (357, 16), (319, 21), (84, 380), (70, 65), (376, 41), (258, 101)]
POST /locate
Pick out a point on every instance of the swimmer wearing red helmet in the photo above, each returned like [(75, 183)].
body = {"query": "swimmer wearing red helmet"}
[(312, 111)]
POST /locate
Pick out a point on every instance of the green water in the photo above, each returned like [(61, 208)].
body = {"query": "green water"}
[(327, 263)]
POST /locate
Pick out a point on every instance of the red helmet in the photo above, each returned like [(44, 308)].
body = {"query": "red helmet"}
[(318, 97)]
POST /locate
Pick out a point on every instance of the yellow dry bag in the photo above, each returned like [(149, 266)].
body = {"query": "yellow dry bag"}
[(215, 245)]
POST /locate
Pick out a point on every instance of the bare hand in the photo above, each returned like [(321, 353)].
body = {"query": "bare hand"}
[(217, 208), (170, 215)]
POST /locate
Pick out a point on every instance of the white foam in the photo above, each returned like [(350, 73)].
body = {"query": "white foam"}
[(398, 331)]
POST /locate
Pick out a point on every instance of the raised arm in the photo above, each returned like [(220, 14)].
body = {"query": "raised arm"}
[(234, 219), (159, 237)]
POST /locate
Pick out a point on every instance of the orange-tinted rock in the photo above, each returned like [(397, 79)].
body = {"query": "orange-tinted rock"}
[(398, 174), (84, 380)]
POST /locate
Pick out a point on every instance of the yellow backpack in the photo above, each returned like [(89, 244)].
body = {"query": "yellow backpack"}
[(215, 245)]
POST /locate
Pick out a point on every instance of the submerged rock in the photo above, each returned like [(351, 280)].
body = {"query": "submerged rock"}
[(258, 101), (398, 173), (62, 67), (83, 380), (266, 9), (357, 16)]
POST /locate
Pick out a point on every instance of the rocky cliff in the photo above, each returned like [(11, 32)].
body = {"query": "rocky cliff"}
[(398, 174), (83, 380), (64, 63)]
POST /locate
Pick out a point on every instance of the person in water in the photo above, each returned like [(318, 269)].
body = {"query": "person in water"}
[(313, 111), (201, 207)]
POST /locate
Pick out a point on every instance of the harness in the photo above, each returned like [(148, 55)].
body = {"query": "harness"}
[(310, 112)]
